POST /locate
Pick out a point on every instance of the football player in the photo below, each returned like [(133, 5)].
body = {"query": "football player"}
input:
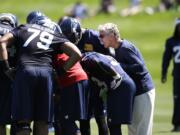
[(115, 86), (73, 93), (87, 40), (8, 22), (172, 51), (32, 90)]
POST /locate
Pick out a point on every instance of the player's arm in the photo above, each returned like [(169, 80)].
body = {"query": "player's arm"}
[(5, 41), (73, 52), (167, 55), (107, 69), (134, 64)]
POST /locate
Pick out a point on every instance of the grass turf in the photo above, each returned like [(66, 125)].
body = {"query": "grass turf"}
[(148, 32)]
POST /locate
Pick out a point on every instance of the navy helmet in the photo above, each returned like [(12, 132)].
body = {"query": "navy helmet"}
[(37, 17), (71, 28), (8, 19), (34, 16)]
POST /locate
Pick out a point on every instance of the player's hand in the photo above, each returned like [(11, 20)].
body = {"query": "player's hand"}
[(10, 73), (116, 82), (163, 79)]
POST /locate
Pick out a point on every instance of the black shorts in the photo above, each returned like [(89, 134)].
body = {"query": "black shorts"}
[(120, 103), (33, 94), (5, 100), (74, 101)]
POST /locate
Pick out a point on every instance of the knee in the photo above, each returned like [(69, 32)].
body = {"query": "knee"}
[(40, 123), (40, 126)]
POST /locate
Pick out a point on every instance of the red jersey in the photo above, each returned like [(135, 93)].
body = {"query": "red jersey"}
[(73, 75)]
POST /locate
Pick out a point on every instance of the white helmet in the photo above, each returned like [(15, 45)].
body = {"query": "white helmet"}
[(8, 19)]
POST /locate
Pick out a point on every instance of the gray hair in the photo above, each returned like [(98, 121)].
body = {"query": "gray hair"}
[(109, 28)]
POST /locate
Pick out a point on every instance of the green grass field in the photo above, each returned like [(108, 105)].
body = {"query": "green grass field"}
[(148, 32)]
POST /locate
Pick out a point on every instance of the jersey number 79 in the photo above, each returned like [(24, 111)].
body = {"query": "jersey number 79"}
[(44, 37)]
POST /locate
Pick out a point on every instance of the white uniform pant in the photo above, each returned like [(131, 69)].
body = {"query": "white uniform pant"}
[(143, 111)]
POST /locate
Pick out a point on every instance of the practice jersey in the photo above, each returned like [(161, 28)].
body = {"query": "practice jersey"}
[(73, 75), (37, 44), (102, 67), (172, 51), (132, 62), (90, 42)]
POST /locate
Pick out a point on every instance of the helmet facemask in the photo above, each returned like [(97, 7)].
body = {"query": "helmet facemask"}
[(71, 29), (8, 19)]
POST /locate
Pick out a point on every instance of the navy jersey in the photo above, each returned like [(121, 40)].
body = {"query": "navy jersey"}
[(37, 44), (132, 62), (172, 51), (102, 67), (90, 42)]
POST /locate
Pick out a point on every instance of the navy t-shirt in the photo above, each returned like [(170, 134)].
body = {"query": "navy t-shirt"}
[(132, 62)]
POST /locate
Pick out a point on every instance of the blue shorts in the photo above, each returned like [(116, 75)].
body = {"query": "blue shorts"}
[(33, 94), (5, 99), (74, 101), (97, 107), (120, 103)]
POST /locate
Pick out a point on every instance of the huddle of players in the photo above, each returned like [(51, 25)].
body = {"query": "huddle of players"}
[(82, 88)]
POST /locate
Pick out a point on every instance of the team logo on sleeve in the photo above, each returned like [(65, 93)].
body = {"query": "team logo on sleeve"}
[(88, 47)]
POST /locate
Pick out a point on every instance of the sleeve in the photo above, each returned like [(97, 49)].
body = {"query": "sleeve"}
[(107, 69), (15, 32), (134, 64), (114, 78), (58, 41), (87, 63), (167, 55)]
